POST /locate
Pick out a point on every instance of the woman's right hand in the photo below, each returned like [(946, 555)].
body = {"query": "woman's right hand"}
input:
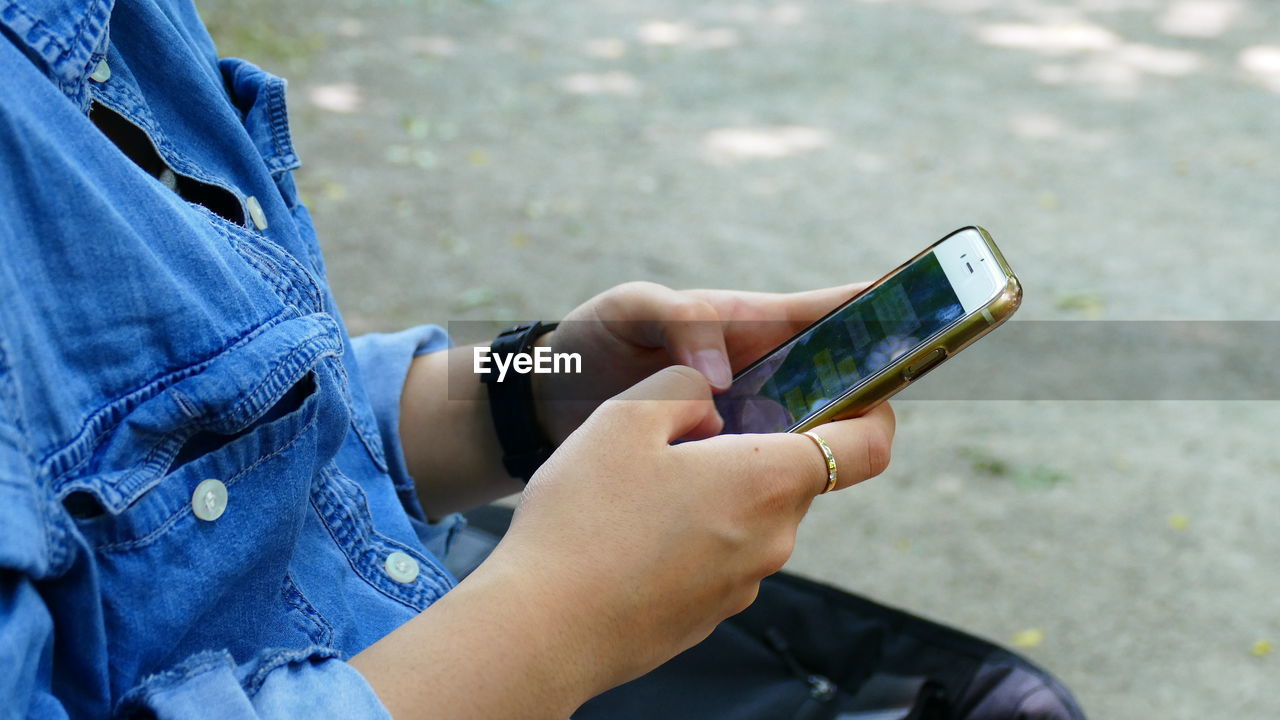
[(625, 550), (649, 545)]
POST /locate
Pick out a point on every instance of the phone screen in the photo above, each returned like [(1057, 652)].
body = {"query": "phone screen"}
[(828, 359)]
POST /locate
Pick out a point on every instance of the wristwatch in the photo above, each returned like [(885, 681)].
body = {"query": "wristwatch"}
[(524, 443)]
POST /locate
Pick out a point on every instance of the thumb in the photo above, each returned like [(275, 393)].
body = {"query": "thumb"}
[(694, 336), (674, 402), (686, 325)]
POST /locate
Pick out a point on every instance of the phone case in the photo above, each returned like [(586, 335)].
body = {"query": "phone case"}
[(915, 364)]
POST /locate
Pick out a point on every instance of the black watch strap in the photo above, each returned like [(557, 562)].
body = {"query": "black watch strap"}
[(524, 444)]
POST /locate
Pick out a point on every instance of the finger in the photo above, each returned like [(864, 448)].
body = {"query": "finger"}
[(803, 308), (755, 323), (800, 307), (674, 402), (792, 467), (693, 336), (861, 447), (687, 326)]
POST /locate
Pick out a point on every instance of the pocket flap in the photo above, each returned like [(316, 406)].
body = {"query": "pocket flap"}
[(225, 394)]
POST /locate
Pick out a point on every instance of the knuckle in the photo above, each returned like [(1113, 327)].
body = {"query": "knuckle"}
[(674, 382), (691, 310), (639, 286), (778, 554), (744, 598), (770, 485), (735, 539), (614, 303), (689, 383), (892, 419), (779, 492), (808, 468), (607, 416), (625, 410), (609, 410), (878, 450)]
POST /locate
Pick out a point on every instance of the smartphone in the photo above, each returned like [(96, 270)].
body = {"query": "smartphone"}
[(880, 341)]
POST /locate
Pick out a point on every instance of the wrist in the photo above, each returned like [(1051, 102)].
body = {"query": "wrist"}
[(553, 638), (524, 441), (447, 436), (542, 390), (499, 645)]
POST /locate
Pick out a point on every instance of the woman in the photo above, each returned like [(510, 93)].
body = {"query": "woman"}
[(214, 504)]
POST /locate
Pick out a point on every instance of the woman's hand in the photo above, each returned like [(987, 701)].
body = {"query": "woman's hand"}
[(657, 543), (625, 551), (631, 331)]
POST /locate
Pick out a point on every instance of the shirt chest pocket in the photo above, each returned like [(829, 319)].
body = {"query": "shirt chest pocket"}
[(250, 427), (194, 503)]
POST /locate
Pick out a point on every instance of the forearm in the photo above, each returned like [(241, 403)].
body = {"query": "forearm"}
[(447, 434), (497, 646)]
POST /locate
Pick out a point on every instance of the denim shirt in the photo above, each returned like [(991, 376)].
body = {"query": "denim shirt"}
[(168, 329)]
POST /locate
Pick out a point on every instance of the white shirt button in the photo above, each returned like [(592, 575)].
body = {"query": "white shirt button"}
[(401, 567), (102, 73), (209, 500), (258, 217)]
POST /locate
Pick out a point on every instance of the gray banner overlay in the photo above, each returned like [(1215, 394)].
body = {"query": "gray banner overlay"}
[(1044, 360)]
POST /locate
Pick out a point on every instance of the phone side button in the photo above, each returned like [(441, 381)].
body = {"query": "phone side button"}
[(924, 365)]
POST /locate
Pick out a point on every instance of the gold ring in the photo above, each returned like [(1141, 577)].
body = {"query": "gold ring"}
[(828, 455)]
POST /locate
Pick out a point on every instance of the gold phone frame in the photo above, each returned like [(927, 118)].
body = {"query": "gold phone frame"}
[(951, 339)]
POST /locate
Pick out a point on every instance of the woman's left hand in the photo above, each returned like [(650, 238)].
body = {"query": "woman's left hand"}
[(631, 331)]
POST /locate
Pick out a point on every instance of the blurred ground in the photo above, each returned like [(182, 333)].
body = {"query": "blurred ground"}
[(473, 160)]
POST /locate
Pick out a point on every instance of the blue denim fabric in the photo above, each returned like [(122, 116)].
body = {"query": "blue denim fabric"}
[(148, 344)]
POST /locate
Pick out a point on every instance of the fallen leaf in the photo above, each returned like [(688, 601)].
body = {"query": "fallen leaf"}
[(1262, 648), (1039, 477), (535, 209), (335, 191), (424, 159), (473, 298), (1089, 304), (398, 154), (338, 97), (417, 127), (1029, 638), (1179, 522), (985, 463), (606, 48)]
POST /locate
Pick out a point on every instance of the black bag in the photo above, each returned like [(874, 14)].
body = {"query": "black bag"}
[(806, 651)]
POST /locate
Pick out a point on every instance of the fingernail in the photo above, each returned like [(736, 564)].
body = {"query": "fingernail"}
[(714, 366)]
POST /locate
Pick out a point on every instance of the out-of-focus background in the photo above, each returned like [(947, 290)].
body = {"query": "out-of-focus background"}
[(504, 160)]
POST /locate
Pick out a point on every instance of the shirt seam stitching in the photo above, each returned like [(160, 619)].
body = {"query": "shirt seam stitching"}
[(379, 542), (171, 443), (161, 447), (142, 392)]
